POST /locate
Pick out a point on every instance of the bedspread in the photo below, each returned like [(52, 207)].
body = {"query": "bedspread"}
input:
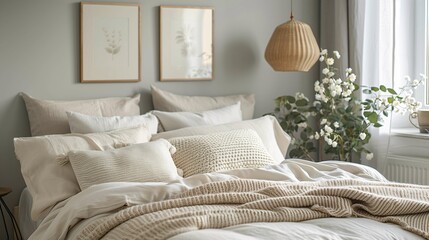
[(295, 190), (228, 203)]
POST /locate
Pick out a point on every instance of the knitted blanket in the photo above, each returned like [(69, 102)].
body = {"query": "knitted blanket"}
[(227, 203)]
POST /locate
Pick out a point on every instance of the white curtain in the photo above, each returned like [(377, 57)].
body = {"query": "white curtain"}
[(376, 38), (378, 66)]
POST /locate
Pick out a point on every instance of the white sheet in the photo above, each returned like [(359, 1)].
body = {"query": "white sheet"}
[(108, 197), (26, 224)]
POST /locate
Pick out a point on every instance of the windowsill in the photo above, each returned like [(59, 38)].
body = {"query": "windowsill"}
[(409, 132)]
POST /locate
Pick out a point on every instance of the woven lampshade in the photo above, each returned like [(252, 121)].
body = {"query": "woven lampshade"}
[(292, 47)]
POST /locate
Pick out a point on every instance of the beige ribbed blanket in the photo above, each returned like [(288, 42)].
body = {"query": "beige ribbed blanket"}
[(227, 203)]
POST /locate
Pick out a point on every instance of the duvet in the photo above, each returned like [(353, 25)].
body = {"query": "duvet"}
[(296, 199)]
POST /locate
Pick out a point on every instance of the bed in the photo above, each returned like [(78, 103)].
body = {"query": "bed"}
[(208, 177)]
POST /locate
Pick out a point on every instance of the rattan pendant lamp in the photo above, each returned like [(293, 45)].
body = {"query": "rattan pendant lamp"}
[(292, 47)]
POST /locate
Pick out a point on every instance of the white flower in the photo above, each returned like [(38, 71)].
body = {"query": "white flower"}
[(329, 141), (331, 74), (318, 96), (410, 100), (330, 61), (326, 138), (336, 124), (416, 82), (337, 54), (334, 144), (347, 93), (316, 136), (325, 80), (369, 156), (325, 71), (328, 129), (338, 81), (321, 58), (362, 136), (352, 77), (299, 95), (333, 93), (338, 89), (347, 99), (322, 132), (302, 125), (324, 52), (349, 70), (396, 103), (324, 121), (292, 141), (315, 103), (317, 88), (311, 137)]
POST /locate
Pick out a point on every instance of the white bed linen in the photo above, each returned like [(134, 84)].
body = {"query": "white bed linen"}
[(26, 224), (109, 197)]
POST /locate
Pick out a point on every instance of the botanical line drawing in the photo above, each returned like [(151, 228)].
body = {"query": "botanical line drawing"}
[(113, 41), (185, 36)]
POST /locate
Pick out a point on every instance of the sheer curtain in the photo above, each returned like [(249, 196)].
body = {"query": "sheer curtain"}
[(374, 39)]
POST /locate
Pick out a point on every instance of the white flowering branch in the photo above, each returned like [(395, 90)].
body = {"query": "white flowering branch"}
[(343, 120)]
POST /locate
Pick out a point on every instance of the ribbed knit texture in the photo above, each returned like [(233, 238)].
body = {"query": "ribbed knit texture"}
[(230, 150), (228, 203)]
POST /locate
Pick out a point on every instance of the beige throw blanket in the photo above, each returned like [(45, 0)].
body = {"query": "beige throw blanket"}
[(227, 203)]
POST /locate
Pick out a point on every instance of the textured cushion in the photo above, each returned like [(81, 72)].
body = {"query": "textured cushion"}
[(275, 140), (81, 123), (49, 117), (50, 182), (222, 151), (170, 102), (175, 120), (145, 162)]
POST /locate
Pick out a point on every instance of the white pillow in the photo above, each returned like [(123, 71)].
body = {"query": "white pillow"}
[(49, 181), (145, 162), (175, 120), (222, 151), (170, 102), (81, 123), (275, 140), (49, 117)]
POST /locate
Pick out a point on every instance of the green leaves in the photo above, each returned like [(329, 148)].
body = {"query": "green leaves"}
[(392, 91), (383, 88), (301, 102)]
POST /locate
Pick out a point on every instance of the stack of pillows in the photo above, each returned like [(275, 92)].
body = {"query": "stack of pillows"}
[(77, 144)]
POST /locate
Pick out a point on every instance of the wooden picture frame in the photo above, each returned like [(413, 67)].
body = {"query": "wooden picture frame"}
[(109, 42), (186, 43)]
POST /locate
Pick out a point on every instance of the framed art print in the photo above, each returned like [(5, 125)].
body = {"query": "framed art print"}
[(110, 42), (186, 43)]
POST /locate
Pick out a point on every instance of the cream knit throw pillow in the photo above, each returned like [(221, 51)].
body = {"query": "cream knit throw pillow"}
[(221, 151)]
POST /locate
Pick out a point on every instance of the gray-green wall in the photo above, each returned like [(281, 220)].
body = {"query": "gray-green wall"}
[(39, 55)]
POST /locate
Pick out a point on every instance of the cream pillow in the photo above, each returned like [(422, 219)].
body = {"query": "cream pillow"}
[(49, 117), (175, 120), (170, 102), (47, 179), (275, 140), (221, 151), (81, 123), (145, 162)]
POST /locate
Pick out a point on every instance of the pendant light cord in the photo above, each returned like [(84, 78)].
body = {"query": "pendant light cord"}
[(291, 9)]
